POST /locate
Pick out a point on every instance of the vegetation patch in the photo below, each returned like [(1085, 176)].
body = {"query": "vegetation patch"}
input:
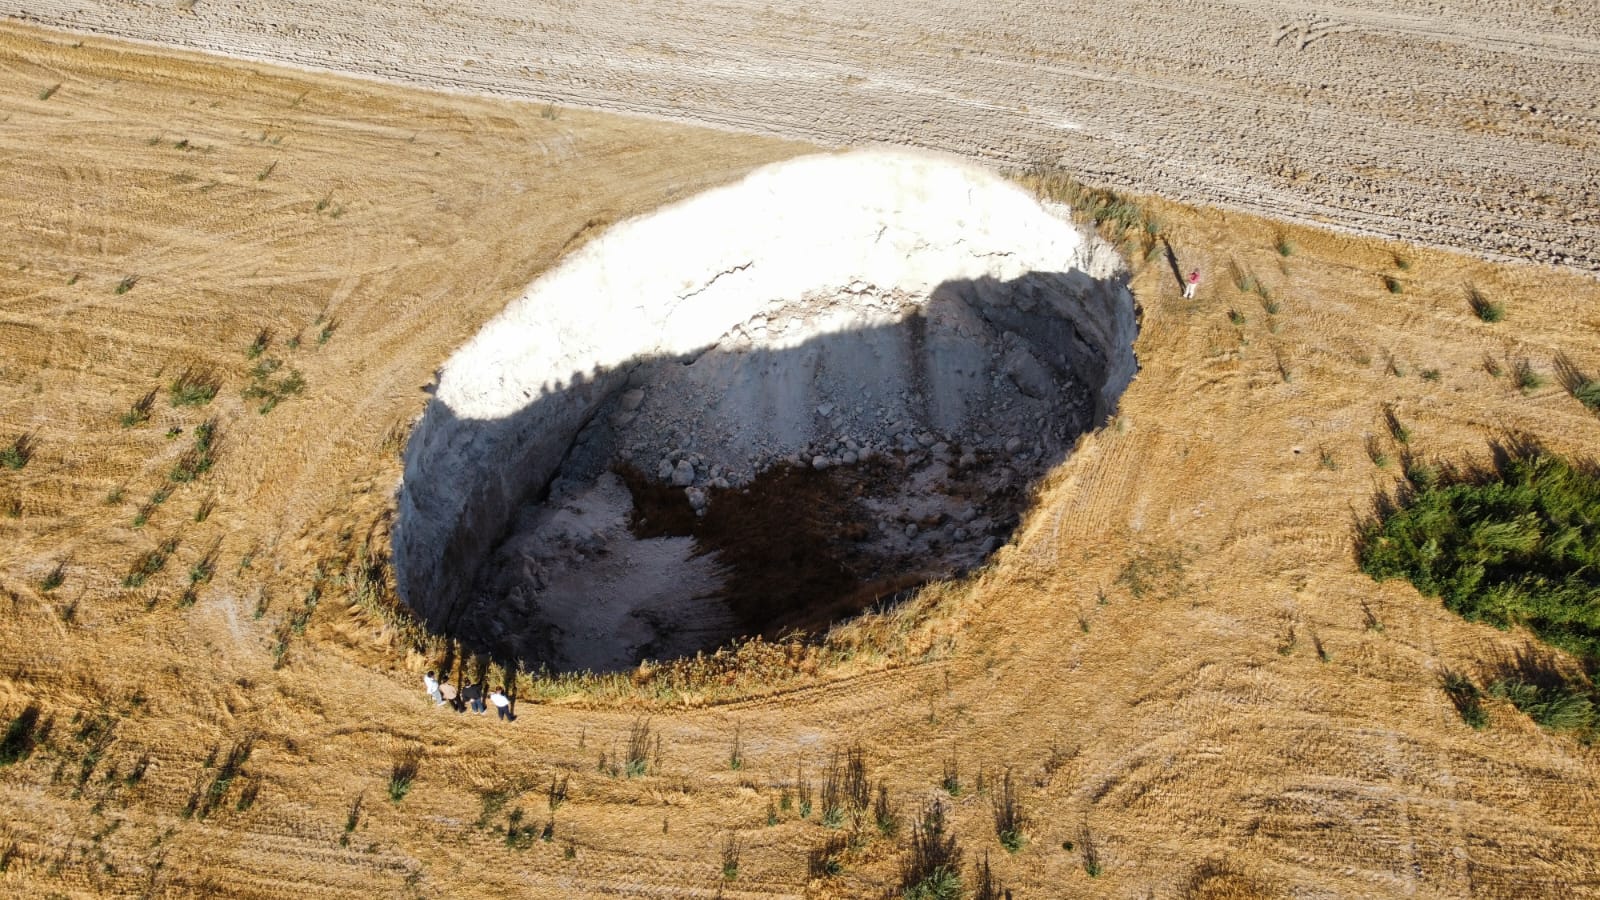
[(194, 387), (1516, 546), (407, 763), (139, 412), (931, 869), (267, 386), (1484, 308), (1588, 393), (18, 453), (1466, 698), (198, 459), (149, 564)]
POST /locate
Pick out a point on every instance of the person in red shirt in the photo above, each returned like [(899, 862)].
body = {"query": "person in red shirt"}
[(1194, 282)]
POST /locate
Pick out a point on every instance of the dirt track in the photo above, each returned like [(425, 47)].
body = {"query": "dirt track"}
[(1474, 127)]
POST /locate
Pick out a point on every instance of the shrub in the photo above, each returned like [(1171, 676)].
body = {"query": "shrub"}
[(1557, 707), (557, 794), (403, 771), (883, 814), (260, 344), (1236, 317), (1520, 546), (857, 792), (638, 748), (802, 786), (54, 578), (1091, 854), (732, 848), (1466, 698), (1528, 380), (1484, 308), (833, 794), (126, 284), (1588, 393), (931, 869), (18, 454), (150, 564), (352, 819), (1392, 284), (139, 412), (231, 767), (518, 835), (1284, 247), (951, 781), (198, 459), (272, 391), (988, 887), (1008, 817), (193, 387)]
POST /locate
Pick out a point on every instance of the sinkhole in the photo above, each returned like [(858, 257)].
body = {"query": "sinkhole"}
[(758, 411)]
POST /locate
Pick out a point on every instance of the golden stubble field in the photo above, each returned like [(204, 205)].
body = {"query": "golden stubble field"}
[(1176, 659)]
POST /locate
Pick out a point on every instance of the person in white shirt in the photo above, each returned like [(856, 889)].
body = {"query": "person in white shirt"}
[(502, 704), (432, 684)]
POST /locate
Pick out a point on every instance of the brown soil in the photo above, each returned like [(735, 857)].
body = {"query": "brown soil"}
[(1176, 657)]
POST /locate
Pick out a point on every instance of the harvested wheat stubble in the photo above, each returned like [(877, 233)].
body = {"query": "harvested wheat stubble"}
[(1470, 126), (1200, 749)]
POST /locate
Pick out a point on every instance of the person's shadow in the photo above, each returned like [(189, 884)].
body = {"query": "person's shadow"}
[(1172, 260)]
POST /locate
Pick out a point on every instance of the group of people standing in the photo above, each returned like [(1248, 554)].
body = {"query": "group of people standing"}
[(473, 696)]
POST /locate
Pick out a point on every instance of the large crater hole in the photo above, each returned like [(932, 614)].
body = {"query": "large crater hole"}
[(759, 411)]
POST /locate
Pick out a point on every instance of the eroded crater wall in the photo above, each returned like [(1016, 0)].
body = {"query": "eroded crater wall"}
[(862, 240)]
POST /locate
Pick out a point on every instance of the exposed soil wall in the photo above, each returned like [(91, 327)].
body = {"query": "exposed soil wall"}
[(821, 312)]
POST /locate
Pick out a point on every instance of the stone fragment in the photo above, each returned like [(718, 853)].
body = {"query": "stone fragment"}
[(683, 473)]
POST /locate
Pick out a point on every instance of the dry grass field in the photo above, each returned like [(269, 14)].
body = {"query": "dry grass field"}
[(1190, 683)]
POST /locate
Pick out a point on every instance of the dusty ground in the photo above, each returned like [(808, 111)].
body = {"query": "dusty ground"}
[(1177, 658), (1470, 124)]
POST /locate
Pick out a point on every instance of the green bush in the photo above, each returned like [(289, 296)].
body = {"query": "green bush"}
[(18, 453), (932, 868), (1484, 308), (1528, 379), (1466, 698), (193, 387), (1588, 393), (1558, 707), (1519, 547)]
